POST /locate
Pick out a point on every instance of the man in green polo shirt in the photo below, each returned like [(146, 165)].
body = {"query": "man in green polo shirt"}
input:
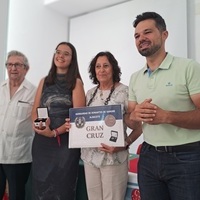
[(165, 96)]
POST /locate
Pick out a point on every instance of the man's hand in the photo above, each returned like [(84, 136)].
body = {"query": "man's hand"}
[(160, 117), (145, 112)]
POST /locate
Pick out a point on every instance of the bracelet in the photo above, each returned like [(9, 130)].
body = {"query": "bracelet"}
[(56, 133)]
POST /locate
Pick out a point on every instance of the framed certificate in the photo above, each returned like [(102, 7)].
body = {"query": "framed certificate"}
[(91, 126)]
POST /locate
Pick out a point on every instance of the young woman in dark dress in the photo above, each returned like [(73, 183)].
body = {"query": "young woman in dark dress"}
[(55, 166)]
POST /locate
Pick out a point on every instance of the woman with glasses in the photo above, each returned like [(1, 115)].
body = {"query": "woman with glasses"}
[(55, 166)]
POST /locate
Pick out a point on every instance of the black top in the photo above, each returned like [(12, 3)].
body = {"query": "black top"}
[(55, 166)]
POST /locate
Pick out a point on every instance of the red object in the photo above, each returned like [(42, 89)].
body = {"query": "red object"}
[(139, 149), (135, 194), (5, 197), (133, 165)]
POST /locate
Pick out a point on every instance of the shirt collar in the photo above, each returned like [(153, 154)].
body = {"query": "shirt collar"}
[(166, 63), (24, 84)]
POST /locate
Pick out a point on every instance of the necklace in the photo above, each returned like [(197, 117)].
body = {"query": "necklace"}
[(107, 99)]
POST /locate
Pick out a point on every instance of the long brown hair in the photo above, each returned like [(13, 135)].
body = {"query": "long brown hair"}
[(73, 70)]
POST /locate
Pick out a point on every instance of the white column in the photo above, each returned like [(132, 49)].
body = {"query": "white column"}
[(4, 5)]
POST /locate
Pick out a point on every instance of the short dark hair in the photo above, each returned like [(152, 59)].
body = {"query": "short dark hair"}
[(159, 21), (114, 63), (72, 73)]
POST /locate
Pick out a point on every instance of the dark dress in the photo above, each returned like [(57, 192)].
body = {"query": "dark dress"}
[(55, 167)]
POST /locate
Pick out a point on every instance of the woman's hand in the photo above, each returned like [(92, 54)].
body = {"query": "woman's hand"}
[(44, 130), (67, 124), (111, 149)]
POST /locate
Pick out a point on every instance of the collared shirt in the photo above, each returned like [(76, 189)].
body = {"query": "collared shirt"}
[(170, 87), (16, 132)]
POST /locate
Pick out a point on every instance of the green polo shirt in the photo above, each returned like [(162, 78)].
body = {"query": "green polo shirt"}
[(170, 87)]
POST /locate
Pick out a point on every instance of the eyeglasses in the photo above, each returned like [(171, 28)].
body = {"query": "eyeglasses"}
[(63, 53), (16, 65)]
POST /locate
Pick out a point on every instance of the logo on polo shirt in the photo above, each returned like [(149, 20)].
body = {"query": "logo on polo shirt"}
[(169, 84)]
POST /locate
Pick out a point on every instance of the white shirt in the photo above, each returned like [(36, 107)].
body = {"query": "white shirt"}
[(16, 134)]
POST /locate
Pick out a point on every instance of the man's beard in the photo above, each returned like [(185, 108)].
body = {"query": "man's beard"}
[(149, 51)]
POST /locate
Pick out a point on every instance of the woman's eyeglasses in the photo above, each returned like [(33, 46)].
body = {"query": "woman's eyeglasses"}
[(63, 53)]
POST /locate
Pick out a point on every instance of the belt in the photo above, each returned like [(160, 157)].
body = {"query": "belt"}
[(179, 148)]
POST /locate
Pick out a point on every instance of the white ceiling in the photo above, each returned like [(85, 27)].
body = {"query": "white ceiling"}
[(72, 8)]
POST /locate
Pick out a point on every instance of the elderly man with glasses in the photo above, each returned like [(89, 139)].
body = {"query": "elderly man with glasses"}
[(16, 135)]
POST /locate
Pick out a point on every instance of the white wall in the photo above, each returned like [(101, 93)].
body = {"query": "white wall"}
[(3, 36), (35, 30), (194, 29), (111, 29)]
